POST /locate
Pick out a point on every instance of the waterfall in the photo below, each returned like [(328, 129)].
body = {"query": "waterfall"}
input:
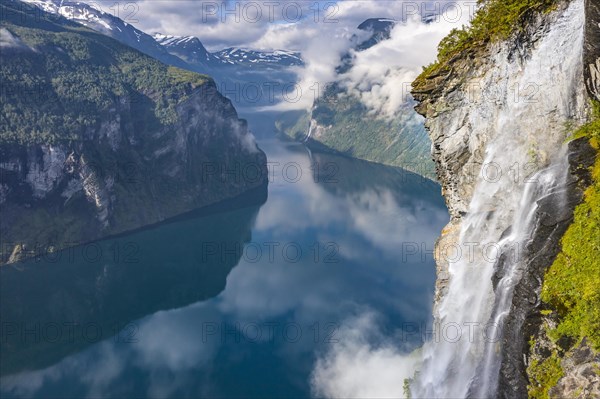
[(525, 160)]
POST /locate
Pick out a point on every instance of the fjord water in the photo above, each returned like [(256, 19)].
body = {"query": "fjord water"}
[(238, 300)]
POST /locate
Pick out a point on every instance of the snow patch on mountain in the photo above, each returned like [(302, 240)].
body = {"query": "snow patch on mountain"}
[(107, 24), (76, 11), (242, 56), (190, 48)]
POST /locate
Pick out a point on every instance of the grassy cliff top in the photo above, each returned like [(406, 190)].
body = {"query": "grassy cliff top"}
[(495, 20)]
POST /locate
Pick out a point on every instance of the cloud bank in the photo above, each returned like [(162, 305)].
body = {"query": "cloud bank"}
[(321, 30), (381, 76), (354, 368)]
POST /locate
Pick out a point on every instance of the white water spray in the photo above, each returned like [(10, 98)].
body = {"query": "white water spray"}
[(524, 161)]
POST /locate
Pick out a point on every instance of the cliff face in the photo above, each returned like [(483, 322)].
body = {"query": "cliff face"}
[(119, 179), (499, 117), (97, 138)]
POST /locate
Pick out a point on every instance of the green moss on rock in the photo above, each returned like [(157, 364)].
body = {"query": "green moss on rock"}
[(495, 20), (543, 376), (570, 290), (571, 284)]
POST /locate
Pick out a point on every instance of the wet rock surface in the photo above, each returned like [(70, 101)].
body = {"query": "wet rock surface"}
[(122, 178), (456, 103), (525, 320)]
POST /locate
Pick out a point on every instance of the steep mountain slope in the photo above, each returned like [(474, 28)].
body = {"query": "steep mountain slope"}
[(250, 78), (97, 138), (511, 108), (109, 25), (380, 29), (340, 121), (344, 124)]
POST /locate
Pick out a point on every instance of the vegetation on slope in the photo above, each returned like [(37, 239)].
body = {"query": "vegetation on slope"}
[(128, 147), (349, 127), (61, 77), (495, 20), (571, 284), (544, 374)]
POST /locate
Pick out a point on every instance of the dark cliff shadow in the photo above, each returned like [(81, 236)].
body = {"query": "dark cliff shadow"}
[(60, 302)]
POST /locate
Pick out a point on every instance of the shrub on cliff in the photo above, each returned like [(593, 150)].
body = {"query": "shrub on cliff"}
[(495, 20)]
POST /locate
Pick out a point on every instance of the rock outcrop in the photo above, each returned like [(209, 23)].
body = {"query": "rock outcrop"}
[(537, 83), (118, 180)]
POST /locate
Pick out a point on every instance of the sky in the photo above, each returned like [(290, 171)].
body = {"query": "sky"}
[(321, 30), (267, 24)]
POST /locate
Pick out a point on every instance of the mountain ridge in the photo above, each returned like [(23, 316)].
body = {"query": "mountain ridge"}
[(191, 50)]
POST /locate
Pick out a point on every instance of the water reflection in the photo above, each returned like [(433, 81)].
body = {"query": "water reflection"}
[(328, 247), (57, 303)]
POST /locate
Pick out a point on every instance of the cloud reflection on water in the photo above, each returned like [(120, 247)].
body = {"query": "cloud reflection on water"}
[(348, 312)]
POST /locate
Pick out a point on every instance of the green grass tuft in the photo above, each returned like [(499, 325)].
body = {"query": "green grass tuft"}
[(571, 283), (494, 21), (543, 375), (590, 130)]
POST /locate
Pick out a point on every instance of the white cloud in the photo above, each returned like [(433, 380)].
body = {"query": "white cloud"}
[(321, 31), (10, 41), (381, 75), (355, 368)]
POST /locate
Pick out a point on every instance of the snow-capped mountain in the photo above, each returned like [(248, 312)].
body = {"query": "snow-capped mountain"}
[(182, 51), (188, 48), (248, 57), (191, 50), (109, 25)]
